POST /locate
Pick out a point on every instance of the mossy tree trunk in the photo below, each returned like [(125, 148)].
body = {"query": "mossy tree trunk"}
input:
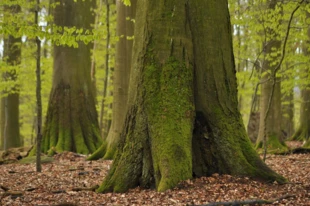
[(121, 76), (10, 102), (71, 122), (182, 117), (272, 126)]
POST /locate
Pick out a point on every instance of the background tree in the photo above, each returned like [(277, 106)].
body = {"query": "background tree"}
[(182, 116), (10, 102), (249, 45), (272, 127), (17, 25), (287, 119), (38, 93), (105, 114), (125, 31), (303, 130), (72, 123)]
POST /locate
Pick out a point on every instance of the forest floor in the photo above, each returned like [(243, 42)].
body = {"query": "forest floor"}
[(70, 180)]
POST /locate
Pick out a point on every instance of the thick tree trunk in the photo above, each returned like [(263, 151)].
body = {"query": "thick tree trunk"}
[(229, 150), (10, 103), (303, 131), (11, 130), (272, 126), (183, 117), (124, 29), (71, 122)]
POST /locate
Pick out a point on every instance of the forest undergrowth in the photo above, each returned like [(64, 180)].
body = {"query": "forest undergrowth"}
[(71, 180)]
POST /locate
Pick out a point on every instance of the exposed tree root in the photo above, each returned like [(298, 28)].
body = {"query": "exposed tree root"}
[(299, 150)]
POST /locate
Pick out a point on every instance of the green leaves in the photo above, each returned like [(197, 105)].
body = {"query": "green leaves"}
[(127, 2)]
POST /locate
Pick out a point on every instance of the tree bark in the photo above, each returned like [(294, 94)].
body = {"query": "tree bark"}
[(71, 122), (10, 102), (38, 92), (183, 117)]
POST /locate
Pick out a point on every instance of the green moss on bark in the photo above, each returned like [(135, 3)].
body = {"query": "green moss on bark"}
[(127, 169), (227, 151), (99, 153), (167, 128), (169, 105), (111, 150), (273, 145), (222, 146), (168, 86)]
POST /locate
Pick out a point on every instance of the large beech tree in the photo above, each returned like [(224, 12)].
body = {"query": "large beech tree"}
[(71, 122), (182, 117)]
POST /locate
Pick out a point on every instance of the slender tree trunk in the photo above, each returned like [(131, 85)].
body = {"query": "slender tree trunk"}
[(240, 64), (287, 124), (12, 55), (104, 125), (38, 93), (71, 122), (182, 117), (121, 76), (272, 127), (254, 117)]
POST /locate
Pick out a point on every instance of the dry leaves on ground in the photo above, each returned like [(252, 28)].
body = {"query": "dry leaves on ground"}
[(71, 179)]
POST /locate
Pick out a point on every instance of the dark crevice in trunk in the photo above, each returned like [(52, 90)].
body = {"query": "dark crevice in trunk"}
[(202, 153)]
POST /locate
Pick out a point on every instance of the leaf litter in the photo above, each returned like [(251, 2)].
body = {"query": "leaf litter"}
[(71, 180)]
